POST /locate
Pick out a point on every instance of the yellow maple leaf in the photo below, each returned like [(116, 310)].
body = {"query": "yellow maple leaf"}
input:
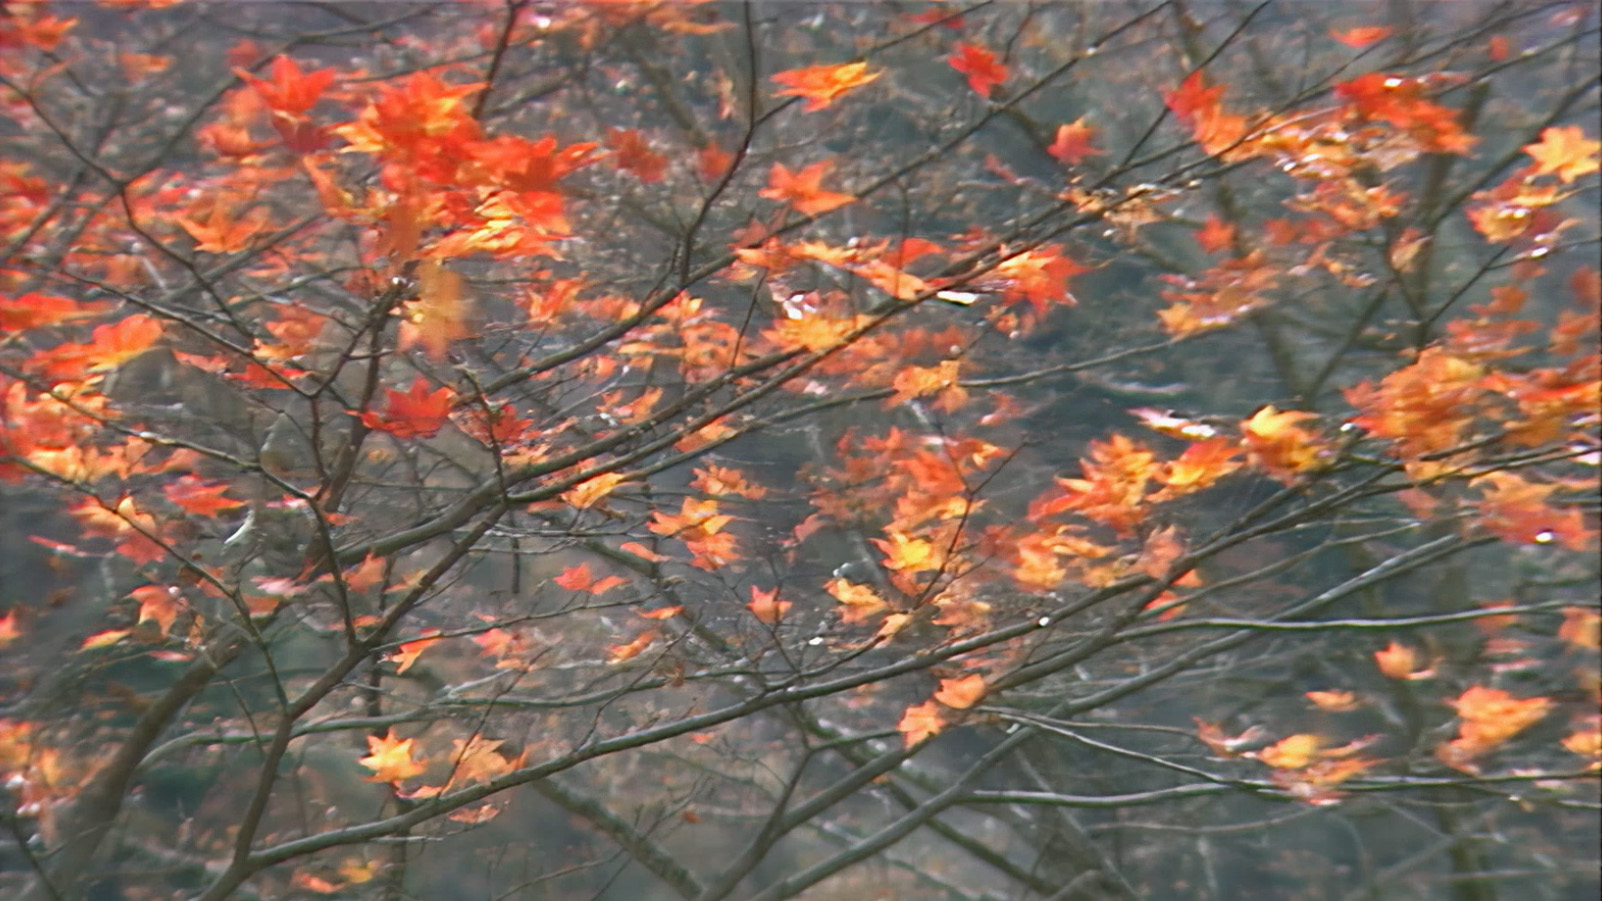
[(1565, 152), (390, 758)]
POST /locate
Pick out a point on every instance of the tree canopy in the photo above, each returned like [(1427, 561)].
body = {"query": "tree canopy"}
[(760, 450)]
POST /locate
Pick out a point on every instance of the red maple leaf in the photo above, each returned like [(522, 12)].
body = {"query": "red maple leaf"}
[(1073, 142), (290, 91), (417, 413), (980, 65), (35, 310), (634, 154)]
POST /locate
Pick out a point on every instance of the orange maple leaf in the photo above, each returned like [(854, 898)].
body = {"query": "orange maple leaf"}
[(589, 492), (1565, 152), (416, 413), (579, 578), (408, 652), (1362, 36), (221, 232), (1278, 443), (160, 604), (1201, 465), (1518, 510), (803, 190), (478, 759), (104, 639), (619, 653), (1336, 701), (1581, 628), (861, 602), (766, 606), (390, 758), (1491, 716), (695, 519), (110, 345), (820, 85), (980, 65), (962, 692), (439, 314), (921, 721), (1073, 142), (1398, 661)]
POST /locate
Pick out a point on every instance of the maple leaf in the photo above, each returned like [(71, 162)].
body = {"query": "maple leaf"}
[(1362, 36), (820, 85), (906, 554), (1215, 234), (634, 154), (390, 758), (620, 653), (1565, 152), (221, 232), (1200, 466), (1491, 716), (1292, 753), (918, 381), (420, 113), (1202, 108), (766, 606), (962, 692), (290, 91), (1334, 701), (803, 190), (1581, 628), (1518, 510), (1401, 102), (438, 315), (724, 480), (1398, 661), (861, 601), (921, 721), (1586, 741), (408, 652), (416, 413), (981, 67), (34, 310), (1280, 445), (695, 519), (1073, 142), (367, 575), (579, 578), (200, 497), (1039, 275), (110, 345), (478, 759), (104, 639), (9, 630), (589, 492), (160, 604)]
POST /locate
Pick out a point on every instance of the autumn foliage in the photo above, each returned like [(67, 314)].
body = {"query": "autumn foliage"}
[(859, 451)]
